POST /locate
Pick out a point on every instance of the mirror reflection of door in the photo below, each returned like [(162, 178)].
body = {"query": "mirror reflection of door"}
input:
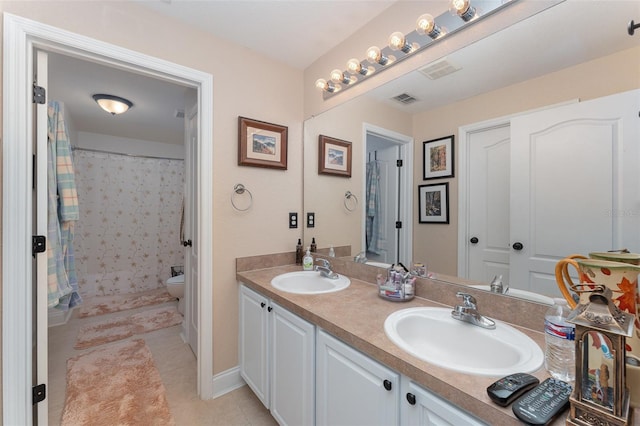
[(571, 188), (382, 199)]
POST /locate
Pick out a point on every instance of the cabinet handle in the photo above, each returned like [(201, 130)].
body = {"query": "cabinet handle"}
[(387, 385), (411, 398), (270, 309), (474, 240), (517, 246), (262, 304)]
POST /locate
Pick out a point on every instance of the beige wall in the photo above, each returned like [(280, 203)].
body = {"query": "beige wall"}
[(324, 194), (244, 84), (437, 244)]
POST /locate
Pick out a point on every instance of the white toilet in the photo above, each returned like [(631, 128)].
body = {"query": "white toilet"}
[(175, 287)]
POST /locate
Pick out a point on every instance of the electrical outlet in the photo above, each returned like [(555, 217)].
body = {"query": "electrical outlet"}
[(311, 220), (293, 220)]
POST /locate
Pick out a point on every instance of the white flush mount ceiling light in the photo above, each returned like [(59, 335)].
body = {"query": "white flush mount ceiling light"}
[(429, 30), (112, 104)]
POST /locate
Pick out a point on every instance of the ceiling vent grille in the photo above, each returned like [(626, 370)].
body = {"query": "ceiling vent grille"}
[(439, 69), (404, 98)]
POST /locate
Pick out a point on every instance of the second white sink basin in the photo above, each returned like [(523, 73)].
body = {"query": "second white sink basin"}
[(309, 282), (431, 334)]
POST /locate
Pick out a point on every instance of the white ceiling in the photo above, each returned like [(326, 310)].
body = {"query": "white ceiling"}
[(567, 34)]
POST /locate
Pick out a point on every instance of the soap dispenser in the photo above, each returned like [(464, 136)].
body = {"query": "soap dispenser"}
[(299, 252), (314, 247), (332, 252), (307, 261)]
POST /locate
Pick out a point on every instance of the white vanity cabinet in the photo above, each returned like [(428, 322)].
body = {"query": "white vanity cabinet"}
[(420, 407), (277, 350), (351, 388)]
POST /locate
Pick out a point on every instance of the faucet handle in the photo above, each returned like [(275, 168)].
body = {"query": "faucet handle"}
[(467, 299), (324, 262)]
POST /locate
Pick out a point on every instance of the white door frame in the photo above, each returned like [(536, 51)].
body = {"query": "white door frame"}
[(21, 37), (405, 144)]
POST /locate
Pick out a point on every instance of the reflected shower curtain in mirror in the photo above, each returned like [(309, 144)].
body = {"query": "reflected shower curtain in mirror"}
[(62, 213), (373, 207)]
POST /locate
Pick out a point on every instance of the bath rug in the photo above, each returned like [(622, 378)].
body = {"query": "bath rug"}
[(101, 305), (118, 384), (122, 327)]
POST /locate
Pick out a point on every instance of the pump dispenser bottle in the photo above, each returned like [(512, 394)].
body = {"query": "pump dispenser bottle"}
[(299, 252), (314, 247), (307, 261)]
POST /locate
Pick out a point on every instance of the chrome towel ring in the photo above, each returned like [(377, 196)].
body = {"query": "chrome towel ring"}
[(240, 189), (354, 201)]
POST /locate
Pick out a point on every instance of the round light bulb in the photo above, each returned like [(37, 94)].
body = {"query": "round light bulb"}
[(337, 76), (322, 84), (374, 55), (397, 41), (460, 6), (354, 66), (425, 24)]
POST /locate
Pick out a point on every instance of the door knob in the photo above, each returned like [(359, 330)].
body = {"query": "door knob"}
[(187, 243), (517, 246), (474, 240)]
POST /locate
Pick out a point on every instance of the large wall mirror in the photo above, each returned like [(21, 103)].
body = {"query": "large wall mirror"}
[(573, 51)]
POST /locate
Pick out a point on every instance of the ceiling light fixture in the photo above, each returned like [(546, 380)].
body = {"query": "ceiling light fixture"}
[(401, 46), (112, 104)]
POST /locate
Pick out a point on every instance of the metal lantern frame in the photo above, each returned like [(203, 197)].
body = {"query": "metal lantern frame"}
[(600, 318)]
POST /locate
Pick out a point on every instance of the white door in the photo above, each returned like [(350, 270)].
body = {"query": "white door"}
[(574, 185), (191, 228), (488, 239), (389, 201), (40, 375)]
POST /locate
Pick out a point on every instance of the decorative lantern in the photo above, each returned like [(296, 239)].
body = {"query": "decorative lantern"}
[(600, 395)]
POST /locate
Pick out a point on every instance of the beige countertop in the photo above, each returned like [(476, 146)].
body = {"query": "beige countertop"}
[(356, 316)]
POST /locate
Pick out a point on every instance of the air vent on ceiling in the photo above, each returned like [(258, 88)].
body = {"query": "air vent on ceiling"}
[(179, 113), (404, 98), (439, 69)]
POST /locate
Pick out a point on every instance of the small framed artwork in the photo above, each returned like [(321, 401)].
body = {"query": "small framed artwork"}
[(433, 203), (438, 158), (262, 144), (334, 156)]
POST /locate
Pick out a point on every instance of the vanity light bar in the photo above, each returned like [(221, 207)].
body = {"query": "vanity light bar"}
[(401, 47)]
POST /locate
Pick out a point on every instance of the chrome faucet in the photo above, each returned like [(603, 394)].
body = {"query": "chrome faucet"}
[(468, 312), (361, 257), (325, 269), (497, 287)]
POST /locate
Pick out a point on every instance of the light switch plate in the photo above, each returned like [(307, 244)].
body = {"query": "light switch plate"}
[(293, 220)]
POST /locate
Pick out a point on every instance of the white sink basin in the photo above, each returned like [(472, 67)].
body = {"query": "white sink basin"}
[(309, 282), (522, 294), (432, 335)]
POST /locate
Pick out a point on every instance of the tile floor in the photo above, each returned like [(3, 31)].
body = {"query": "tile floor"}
[(177, 366)]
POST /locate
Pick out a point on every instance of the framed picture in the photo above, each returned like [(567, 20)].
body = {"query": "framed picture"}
[(334, 156), (261, 144), (437, 158), (433, 203)]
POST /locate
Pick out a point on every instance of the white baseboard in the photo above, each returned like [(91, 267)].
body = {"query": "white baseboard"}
[(227, 381)]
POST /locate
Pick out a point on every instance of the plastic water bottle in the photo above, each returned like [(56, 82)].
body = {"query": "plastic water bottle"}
[(559, 336)]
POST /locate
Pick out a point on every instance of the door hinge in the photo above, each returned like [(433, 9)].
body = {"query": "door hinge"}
[(39, 94), (398, 163), (399, 224), (39, 393), (39, 244)]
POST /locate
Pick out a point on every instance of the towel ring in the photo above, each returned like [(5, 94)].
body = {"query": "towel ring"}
[(239, 189), (348, 196)]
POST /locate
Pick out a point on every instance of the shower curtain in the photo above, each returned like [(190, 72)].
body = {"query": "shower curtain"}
[(62, 214), (373, 207)]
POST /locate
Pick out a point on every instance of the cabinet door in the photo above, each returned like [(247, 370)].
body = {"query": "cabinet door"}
[(419, 407), (351, 388), (292, 368), (253, 342)]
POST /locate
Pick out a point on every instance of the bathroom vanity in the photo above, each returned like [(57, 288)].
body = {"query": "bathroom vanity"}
[(325, 359)]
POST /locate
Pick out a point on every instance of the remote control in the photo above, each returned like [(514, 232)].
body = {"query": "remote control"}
[(544, 402), (506, 390)]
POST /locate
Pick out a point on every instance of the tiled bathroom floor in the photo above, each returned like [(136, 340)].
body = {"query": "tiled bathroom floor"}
[(177, 366)]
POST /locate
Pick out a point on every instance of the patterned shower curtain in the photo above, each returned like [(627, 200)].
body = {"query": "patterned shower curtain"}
[(128, 235)]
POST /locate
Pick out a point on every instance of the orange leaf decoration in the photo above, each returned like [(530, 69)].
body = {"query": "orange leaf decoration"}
[(606, 271), (627, 302)]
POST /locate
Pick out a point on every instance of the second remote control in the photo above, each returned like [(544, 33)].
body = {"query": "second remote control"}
[(541, 404)]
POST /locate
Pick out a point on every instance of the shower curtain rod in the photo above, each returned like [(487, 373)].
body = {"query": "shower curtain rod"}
[(77, 148)]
